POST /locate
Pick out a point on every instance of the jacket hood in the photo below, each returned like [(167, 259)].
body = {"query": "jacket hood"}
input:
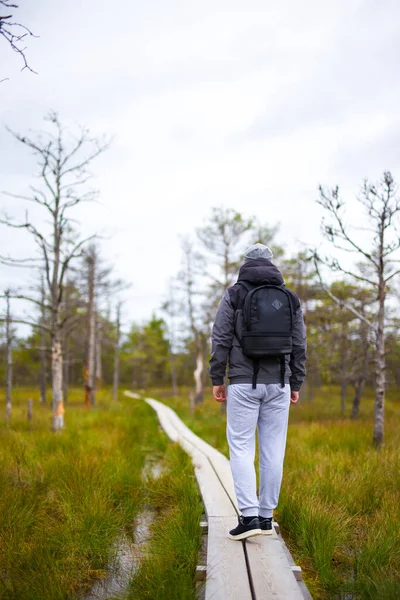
[(260, 272)]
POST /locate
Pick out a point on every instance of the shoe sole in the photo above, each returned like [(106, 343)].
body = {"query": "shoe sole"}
[(266, 531), (245, 534)]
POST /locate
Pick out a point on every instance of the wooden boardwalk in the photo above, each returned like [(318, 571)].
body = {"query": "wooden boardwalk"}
[(260, 568)]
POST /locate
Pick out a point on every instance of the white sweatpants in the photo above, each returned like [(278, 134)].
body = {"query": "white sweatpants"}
[(265, 408)]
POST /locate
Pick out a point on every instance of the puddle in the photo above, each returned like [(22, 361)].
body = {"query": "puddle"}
[(127, 556), (127, 552), (152, 469)]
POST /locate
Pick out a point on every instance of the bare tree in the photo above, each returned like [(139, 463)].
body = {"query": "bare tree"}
[(43, 344), (382, 207), (98, 351), (100, 289), (222, 237), (172, 308), (63, 162), (192, 264), (362, 368), (14, 33), (9, 340), (117, 347), (90, 383)]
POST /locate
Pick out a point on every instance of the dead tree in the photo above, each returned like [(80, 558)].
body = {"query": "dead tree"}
[(63, 162), (9, 341), (223, 238), (99, 289), (191, 265), (90, 382), (172, 308), (98, 351), (14, 33), (43, 344), (381, 206), (117, 347), (361, 377)]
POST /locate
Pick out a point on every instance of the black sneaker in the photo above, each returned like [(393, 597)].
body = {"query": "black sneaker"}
[(247, 527), (266, 525)]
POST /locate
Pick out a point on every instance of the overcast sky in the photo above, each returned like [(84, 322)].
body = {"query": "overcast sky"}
[(246, 105)]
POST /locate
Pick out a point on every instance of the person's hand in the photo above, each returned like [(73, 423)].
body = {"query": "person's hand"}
[(294, 396), (219, 393)]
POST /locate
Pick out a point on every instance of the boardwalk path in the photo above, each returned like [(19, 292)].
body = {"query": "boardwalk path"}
[(260, 568)]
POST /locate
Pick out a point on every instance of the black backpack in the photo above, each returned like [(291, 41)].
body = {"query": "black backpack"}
[(267, 325)]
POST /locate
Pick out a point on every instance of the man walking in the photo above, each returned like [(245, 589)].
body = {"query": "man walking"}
[(259, 333)]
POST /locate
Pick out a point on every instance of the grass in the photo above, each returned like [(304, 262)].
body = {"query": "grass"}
[(339, 508), (169, 569), (66, 497)]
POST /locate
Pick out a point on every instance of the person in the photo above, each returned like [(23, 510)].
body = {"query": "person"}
[(263, 406)]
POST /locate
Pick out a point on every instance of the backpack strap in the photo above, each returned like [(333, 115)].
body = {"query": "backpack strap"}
[(245, 286), (283, 369), (256, 368), (256, 362), (238, 302)]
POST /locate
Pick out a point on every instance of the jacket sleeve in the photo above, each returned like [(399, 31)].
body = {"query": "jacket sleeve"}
[(221, 340), (298, 356)]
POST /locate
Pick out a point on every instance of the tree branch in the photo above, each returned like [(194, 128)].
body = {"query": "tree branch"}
[(337, 300), (14, 33), (22, 297), (25, 322), (392, 275)]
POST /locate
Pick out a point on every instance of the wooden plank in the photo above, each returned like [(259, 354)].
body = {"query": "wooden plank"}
[(201, 572), (297, 572), (132, 395), (204, 527), (222, 466), (218, 460), (216, 501), (271, 572), (164, 420), (226, 566)]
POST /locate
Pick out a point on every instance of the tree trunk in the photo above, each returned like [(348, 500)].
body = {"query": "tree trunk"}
[(343, 391), (67, 363), (343, 367), (57, 381), (379, 412), (43, 357), (116, 354), (174, 383), (9, 358), (205, 361), (99, 339), (135, 379), (358, 392), (198, 374), (191, 403), (67, 352), (91, 347), (30, 411), (360, 382)]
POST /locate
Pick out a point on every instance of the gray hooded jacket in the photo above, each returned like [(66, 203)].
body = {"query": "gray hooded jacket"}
[(226, 349)]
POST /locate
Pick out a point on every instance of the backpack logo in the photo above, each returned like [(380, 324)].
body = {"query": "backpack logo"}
[(276, 304)]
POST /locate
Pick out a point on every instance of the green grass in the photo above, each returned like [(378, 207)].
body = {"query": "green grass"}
[(66, 497), (339, 508), (169, 569)]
